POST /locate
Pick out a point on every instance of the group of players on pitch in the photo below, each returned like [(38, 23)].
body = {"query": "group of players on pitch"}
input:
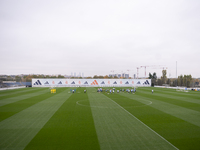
[(113, 90), (110, 91)]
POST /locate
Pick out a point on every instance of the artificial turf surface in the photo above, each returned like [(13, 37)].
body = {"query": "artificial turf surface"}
[(33, 118)]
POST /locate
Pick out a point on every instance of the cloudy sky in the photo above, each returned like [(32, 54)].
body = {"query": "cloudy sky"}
[(96, 37)]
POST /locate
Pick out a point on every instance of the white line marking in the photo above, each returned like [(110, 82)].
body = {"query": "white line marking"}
[(109, 107), (146, 125), (88, 105)]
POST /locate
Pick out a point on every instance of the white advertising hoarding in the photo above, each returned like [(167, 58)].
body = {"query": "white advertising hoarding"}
[(89, 82)]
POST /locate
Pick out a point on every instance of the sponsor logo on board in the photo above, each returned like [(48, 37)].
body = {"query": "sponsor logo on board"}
[(46, 82), (37, 83), (102, 82), (94, 82), (146, 82)]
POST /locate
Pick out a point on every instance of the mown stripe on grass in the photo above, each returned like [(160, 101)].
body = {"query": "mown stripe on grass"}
[(15, 91), (192, 104), (18, 130), (71, 127), (5, 91), (173, 92), (22, 97), (19, 94), (118, 129), (181, 133), (174, 110), (174, 96), (13, 108)]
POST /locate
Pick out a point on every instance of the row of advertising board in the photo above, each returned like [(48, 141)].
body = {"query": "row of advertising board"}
[(89, 82)]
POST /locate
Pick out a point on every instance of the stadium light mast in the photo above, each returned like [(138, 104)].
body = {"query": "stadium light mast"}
[(176, 75)]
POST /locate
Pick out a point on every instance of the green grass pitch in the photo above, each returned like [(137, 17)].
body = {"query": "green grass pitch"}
[(33, 118)]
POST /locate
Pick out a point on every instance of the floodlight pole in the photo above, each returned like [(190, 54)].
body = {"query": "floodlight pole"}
[(186, 81), (176, 75)]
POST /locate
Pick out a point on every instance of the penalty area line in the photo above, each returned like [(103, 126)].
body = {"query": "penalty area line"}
[(145, 125)]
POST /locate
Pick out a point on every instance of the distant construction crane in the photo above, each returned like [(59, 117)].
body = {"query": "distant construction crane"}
[(145, 69), (159, 67), (115, 72), (129, 71), (153, 66), (138, 72), (112, 73)]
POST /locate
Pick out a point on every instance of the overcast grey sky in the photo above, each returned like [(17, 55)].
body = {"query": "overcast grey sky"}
[(95, 37)]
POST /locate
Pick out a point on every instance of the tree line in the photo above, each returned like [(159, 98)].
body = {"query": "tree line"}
[(182, 80), (28, 78)]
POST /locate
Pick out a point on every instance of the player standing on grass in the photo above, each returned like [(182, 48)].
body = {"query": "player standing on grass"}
[(152, 91)]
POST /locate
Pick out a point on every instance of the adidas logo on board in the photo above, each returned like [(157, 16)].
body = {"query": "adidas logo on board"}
[(37, 83)]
